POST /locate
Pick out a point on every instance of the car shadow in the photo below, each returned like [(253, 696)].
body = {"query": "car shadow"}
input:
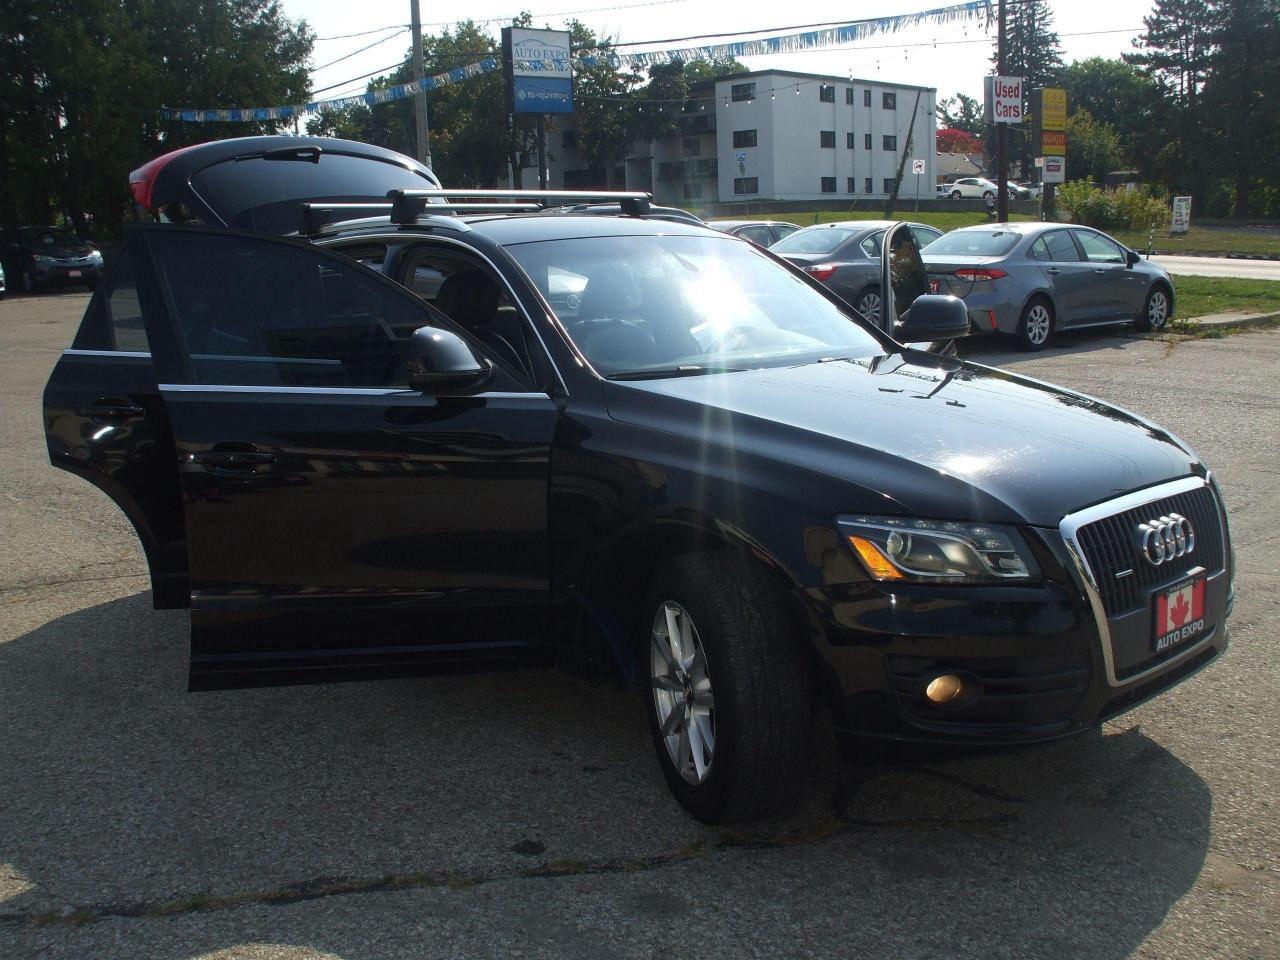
[(126, 797), (1003, 351)]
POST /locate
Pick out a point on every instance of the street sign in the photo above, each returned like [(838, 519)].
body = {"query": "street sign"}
[(1055, 170), (1181, 221), (917, 167), (536, 65), (1039, 162), (740, 156), (1049, 121), (1004, 99)]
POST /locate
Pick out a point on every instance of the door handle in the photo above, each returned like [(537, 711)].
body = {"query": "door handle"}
[(1053, 271), (232, 458), (1100, 271), (111, 410)]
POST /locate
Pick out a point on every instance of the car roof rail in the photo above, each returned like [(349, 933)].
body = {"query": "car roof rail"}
[(408, 205), (315, 218)]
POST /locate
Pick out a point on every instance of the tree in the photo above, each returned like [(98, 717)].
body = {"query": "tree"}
[(962, 113), (957, 141), (1093, 147), (604, 106), (1113, 91), (83, 84), (696, 71)]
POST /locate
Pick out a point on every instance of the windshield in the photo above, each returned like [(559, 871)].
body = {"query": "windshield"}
[(37, 237), (675, 305), (820, 240), (975, 243)]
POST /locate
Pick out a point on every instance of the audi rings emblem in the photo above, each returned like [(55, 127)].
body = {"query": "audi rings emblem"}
[(1168, 537)]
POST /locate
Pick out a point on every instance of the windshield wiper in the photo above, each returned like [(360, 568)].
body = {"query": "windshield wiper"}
[(683, 370)]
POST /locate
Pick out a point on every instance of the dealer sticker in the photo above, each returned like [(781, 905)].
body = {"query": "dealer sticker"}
[(1179, 615)]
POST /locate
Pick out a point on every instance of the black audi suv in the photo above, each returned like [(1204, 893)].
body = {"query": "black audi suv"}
[(411, 436)]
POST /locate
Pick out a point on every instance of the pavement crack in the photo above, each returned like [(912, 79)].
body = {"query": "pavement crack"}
[(980, 789)]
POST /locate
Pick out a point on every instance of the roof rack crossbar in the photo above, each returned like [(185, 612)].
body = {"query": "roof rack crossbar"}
[(313, 216), (408, 204)]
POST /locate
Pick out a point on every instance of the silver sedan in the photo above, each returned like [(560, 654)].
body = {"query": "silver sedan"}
[(1030, 280)]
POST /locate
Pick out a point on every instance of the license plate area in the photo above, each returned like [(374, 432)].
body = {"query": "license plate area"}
[(1178, 614), (73, 273), (935, 286)]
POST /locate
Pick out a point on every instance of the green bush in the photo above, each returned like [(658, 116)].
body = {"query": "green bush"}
[(1111, 209)]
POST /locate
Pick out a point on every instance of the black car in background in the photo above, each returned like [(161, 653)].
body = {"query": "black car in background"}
[(630, 448), (38, 258)]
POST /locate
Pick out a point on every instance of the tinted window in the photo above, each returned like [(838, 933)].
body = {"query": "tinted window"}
[(784, 230), (251, 311), (1060, 248), (756, 234), (653, 302), (871, 244), (1099, 249), (906, 271), (264, 195), (113, 320), (975, 243), (924, 236), (813, 240)]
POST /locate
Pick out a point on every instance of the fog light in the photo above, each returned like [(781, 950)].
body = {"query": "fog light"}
[(944, 689)]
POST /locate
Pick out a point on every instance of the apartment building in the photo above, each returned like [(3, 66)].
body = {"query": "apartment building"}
[(778, 135)]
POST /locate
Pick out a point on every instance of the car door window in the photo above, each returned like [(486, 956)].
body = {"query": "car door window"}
[(924, 236), (871, 244), (1040, 251), (759, 235), (1099, 249), (1061, 248), (255, 312), (784, 230), (113, 319)]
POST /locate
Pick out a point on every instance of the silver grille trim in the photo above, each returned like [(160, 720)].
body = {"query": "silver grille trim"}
[(1069, 529)]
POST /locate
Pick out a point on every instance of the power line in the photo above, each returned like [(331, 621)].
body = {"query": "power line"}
[(562, 13), (363, 33), (353, 53), (363, 76)]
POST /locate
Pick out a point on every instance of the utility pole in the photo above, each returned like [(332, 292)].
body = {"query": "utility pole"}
[(420, 98), (1002, 129)]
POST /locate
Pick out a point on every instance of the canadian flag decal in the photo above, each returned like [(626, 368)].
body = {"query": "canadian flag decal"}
[(1177, 608)]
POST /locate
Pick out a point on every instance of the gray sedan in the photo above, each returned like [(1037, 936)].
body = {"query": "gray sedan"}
[(1030, 280), (846, 257)]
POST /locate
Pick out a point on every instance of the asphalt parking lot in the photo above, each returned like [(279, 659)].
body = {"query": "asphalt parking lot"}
[(525, 814)]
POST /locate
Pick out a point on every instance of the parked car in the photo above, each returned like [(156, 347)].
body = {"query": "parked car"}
[(1034, 190), (43, 257), (699, 470), (1029, 280), (762, 233), (971, 187), (942, 191), (655, 212), (846, 257), (1018, 192)]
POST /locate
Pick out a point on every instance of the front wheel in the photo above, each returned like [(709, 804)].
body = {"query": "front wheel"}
[(1035, 325), (956, 194), (729, 700), (1155, 312), (988, 195), (869, 305)]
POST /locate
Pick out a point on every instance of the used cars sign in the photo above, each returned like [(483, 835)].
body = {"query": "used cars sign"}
[(1004, 99)]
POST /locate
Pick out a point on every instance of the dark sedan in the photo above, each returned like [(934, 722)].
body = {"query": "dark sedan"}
[(846, 257), (635, 449), (763, 233)]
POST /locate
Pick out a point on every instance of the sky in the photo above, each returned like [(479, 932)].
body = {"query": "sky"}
[(957, 64)]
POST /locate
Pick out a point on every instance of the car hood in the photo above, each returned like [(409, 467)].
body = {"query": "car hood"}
[(61, 250), (939, 437)]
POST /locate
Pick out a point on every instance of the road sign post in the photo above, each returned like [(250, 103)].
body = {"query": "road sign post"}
[(917, 167)]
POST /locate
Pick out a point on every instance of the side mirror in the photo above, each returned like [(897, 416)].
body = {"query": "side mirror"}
[(1132, 257), (933, 317), (441, 363)]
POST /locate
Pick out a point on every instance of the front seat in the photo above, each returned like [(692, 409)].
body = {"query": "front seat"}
[(470, 299)]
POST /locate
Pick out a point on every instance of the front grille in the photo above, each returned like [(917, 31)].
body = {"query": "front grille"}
[(1110, 546)]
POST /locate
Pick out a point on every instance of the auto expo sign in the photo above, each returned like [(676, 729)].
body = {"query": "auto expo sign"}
[(537, 65), (1004, 99)]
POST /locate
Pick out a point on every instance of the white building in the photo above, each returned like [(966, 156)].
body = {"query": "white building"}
[(774, 134)]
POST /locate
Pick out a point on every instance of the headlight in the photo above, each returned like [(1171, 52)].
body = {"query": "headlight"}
[(938, 551), (96, 255), (43, 259)]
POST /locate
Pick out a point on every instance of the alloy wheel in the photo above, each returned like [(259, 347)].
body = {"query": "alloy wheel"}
[(1158, 309), (869, 306), (1038, 323), (682, 695)]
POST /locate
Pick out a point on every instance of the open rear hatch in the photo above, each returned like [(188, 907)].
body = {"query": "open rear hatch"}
[(259, 183)]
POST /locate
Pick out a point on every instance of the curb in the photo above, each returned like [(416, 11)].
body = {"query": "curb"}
[(1215, 256), (1226, 321)]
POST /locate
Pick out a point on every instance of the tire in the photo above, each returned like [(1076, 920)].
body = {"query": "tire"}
[(868, 304), (987, 194), (1035, 326), (29, 284), (1156, 309), (738, 662), (956, 195)]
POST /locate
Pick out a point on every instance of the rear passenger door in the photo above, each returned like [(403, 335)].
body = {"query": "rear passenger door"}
[(339, 524), (104, 422)]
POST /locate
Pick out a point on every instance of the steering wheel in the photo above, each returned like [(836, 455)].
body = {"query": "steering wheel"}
[(735, 338)]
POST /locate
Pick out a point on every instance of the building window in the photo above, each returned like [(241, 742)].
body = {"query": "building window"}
[(851, 185), (691, 146), (828, 184), (888, 184), (890, 142), (827, 138), (746, 185), (848, 95), (849, 140), (889, 101), (866, 185), (744, 138), (569, 139), (693, 191), (826, 93), (866, 98), (743, 91), (866, 141)]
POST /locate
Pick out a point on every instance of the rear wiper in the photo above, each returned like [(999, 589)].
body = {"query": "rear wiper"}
[(305, 154), (683, 370)]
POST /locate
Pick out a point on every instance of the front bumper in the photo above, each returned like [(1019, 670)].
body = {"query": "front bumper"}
[(57, 274), (1046, 658)]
